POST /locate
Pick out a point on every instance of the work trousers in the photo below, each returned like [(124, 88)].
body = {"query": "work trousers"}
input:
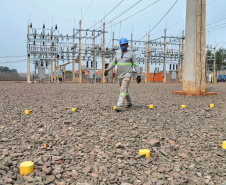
[(124, 93)]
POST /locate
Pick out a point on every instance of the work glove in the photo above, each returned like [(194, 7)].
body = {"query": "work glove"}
[(138, 79), (105, 72)]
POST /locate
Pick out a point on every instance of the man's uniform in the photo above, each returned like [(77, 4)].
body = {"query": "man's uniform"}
[(125, 63)]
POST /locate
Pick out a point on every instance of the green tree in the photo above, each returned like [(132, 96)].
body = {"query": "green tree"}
[(209, 58), (7, 70), (220, 58)]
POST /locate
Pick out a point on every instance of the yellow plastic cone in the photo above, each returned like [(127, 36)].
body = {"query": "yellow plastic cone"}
[(224, 144), (26, 167), (144, 151), (27, 111), (151, 106)]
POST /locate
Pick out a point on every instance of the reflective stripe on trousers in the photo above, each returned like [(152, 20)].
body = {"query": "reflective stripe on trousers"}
[(124, 94)]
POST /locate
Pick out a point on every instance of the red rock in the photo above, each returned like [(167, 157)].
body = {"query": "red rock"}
[(183, 155), (94, 175), (154, 142), (8, 180), (87, 169), (171, 142)]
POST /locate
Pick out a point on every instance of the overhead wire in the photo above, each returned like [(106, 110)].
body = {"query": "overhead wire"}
[(124, 12), (160, 20), (136, 13), (216, 21), (107, 14), (87, 9), (216, 26), (216, 29), (13, 61), (12, 56)]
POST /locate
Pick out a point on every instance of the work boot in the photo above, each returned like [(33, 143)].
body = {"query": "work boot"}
[(128, 106), (118, 109)]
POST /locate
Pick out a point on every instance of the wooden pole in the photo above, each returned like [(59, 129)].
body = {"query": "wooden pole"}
[(73, 62), (164, 65), (55, 66), (94, 57), (51, 64), (28, 61), (179, 63), (131, 51), (148, 61), (113, 45), (146, 66), (103, 55), (214, 66), (80, 50), (182, 59)]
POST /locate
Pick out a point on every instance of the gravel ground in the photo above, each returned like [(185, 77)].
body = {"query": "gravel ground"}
[(96, 145)]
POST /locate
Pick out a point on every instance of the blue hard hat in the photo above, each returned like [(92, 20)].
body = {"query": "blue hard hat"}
[(123, 41)]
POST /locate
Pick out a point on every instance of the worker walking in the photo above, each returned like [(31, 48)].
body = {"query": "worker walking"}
[(125, 61)]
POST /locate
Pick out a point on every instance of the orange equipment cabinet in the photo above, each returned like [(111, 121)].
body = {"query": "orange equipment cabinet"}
[(158, 77)]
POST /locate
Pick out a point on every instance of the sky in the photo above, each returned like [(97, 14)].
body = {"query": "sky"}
[(16, 14)]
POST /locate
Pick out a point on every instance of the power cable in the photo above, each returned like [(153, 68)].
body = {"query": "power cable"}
[(136, 13), (88, 9), (216, 26), (216, 21), (13, 61), (12, 56), (124, 12), (160, 19), (107, 14), (216, 29)]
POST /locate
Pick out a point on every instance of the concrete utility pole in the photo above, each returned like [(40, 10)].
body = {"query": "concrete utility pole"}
[(28, 62), (73, 62), (148, 61), (146, 65), (103, 55), (194, 63), (80, 50), (164, 64), (131, 49), (214, 66)]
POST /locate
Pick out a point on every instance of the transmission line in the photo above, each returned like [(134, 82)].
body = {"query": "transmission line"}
[(124, 11), (107, 14), (160, 20), (88, 9), (12, 56), (135, 13)]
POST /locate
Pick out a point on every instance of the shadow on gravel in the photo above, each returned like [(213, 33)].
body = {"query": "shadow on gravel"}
[(210, 89)]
